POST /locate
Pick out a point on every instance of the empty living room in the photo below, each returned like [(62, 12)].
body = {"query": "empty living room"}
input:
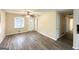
[(39, 29)]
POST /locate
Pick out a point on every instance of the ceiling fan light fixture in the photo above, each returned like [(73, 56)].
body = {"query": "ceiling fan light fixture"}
[(27, 16), (30, 13)]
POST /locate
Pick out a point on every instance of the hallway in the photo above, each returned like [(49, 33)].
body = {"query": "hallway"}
[(67, 39), (33, 41)]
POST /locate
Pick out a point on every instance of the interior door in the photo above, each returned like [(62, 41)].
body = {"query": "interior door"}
[(31, 24)]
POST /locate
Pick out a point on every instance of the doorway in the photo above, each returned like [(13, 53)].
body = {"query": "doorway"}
[(33, 23), (66, 27), (69, 26)]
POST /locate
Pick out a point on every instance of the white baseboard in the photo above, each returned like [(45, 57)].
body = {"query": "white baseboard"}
[(75, 48), (2, 39), (16, 33), (54, 38), (61, 35)]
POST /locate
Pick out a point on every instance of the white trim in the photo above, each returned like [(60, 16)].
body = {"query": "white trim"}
[(54, 38), (20, 19), (2, 39), (61, 35), (75, 48)]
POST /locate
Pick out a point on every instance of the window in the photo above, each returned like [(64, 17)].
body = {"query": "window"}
[(19, 22)]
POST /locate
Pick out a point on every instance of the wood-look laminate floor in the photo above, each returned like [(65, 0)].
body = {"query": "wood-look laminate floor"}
[(34, 41)]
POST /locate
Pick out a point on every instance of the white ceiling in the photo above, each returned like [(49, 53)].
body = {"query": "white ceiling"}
[(23, 11), (37, 10), (59, 10)]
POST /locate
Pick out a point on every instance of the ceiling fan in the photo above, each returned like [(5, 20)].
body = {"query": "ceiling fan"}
[(31, 13)]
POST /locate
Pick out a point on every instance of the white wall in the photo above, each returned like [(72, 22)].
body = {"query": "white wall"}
[(10, 24), (75, 35), (2, 23), (47, 24)]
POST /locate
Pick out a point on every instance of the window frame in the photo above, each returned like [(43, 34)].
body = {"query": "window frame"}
[(15, 22)]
